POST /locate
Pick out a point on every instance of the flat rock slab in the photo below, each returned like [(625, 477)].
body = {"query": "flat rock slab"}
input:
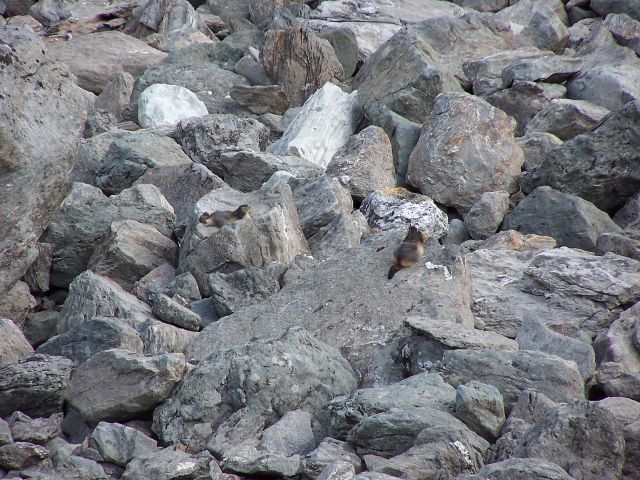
[(97, 57), (328, 299)]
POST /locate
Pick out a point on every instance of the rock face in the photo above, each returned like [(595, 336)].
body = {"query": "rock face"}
[(141, 384), (15, 346), (599, 166), (120, 444), (319, 201), (487, 214), (454, 142), (567, 118), (42, 117), (162, 104), (231, 411)]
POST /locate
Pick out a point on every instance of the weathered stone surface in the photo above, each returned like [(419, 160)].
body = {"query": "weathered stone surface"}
[(249, 461), (22, 455), (625, 29), (524, 100), (34, 386), (487, 214), (42, 114), (232, 291), (272, 234), (37, 276), (143, 383), (365, 163), (329, 452), (627, 412), (603, 7), (481, 408), (547, 68), (162, 104), (205, 139), (626, 243), (170, 311), (40, 326), (608, 86), (545, 211), (629, 215), (83, 341), (512, 372), (129, 251), (34, 430), (344, 231), (261, 98), (14, 346), (519, 469), (585, 165), (163, 16), (129, 157), (115, 95), (91, 152), (86, 216), (582, 437), (213, 388), (536, 147), (394, 208), (16, 303), (534, 335), (96, 58), (454, 141), (247, 170), (566, 118), (5, 434), (299, 61), (120, 444), (369, 333), (325, 123), (171, 464), (176, 40), (319, 201)]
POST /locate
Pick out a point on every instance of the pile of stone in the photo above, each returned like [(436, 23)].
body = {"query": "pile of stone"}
[(199, 203)]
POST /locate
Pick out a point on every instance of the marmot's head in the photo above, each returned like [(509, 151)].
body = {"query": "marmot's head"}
[(243, 211), (204, 217), (415, 235)]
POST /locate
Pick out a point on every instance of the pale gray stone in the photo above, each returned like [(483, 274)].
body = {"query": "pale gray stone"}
[(519, 469), (232, 291), (162, 104), (536, 147), (566, 118), (14, 346), (329, 452), (487, 214), (120, 444), (319, 201), (170, 311), (480, 407), (171, 464)]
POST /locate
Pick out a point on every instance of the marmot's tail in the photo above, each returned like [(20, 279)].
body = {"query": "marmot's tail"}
[(393, 270)]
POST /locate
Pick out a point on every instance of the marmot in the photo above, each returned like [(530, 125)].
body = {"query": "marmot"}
[(223, 217), (409, 251)]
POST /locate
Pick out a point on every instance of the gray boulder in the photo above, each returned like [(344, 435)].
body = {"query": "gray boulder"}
[(608, 86), (14, 346), (130, 250), (205, 139), (115, 95), (22, 455), (404, 136), (261, 98), (512, 372), (453, 142), (319, 201), (91, 152), (566, 118), (344, 231), (626, 243), (5, 434), (487, 214), (585, 165), (16, 303), (34, 430), (38, 274), (229, 413), (42, 123), (120, 444), (129, 157), (627, 412), (170, 311), (232, 291), (147, 381), (582, 437), (629, 215), (519, 469), (161, 104), (551, 69), (86, 217), (535, 147), (365, 163), (35, 386), (171, 464), (545, 212), (370, 333), (163, 16), (329, 452), (481, 408), (40, 326)]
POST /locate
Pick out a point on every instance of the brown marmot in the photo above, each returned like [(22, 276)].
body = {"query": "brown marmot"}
[(223, 217), (409, 251)]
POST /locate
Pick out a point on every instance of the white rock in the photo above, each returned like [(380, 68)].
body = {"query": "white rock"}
[(162, 104), (325, 123)]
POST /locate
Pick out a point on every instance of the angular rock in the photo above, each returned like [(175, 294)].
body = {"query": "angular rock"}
[(14, 346), (629, 215), (345, 44), (96, 58), (487, 214), (83, 341), (142, 383), (481, 408), (185, 286), (40, 326), (548, 68), (129, 251), (37, 276), (394, 208), (626, 243), (5, 434), (249, 461), (16, 303), (86, 217), (319, 201), (610, 87), (536, 147), (627, 412), (42, 117), (453, 142), (232, 291), (22, 455), (625, 29), (34, 386), (457, 233), (603, 7), (520, 469), (247, 170), (215, 386), (566, 118), (365, 163), (120, 444), (171, 464), (524, 100), (374, 334), (512, 372), (163, 16), (91, 152), (272, 234), (162, 104), (34, 430), (545, 211), (115, 95), (300, 62), (176, 40), (512, 240), (170, 311), (290, 435), (261, 99), (205, 139), (582, 437), (344, 231), (329, 452), (129, 157)]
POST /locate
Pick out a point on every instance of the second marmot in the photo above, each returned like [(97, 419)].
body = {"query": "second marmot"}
[(409, 251)]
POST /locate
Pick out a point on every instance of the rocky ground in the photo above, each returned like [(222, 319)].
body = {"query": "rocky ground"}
[(138, 343)]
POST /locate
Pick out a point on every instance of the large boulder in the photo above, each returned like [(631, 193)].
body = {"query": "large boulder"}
[(600, 166), (235, 394), (519, 469), (567, 118), (171, 464), (14, 346), (462, 134), (120, 444), (608, 86), (42, 118), (162, 104), (163, 17)]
